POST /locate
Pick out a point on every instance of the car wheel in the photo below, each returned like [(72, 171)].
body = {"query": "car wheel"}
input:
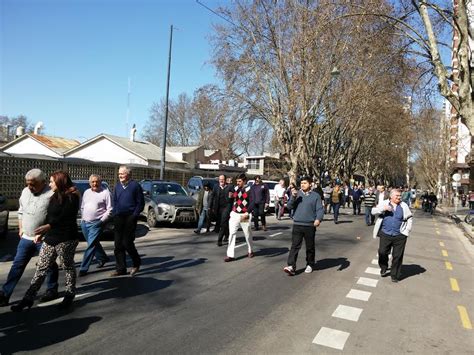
[(151, 218), (4, 232)]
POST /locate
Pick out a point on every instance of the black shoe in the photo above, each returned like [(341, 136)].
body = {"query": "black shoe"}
[(197, 231), (219, 244), (49, 295), (24, 303), (101, 264), (67, 301), (394, 279), (4, 300), (82, 273), (383, 272)]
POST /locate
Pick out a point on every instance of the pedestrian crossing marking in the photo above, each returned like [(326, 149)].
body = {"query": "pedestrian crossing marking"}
[(367, 282), (332, 338), (444, 252), (348, 313), (359, 295), (449, 266), (441, 244), (375, 262), (466, 322), (454, 284), (372, 270), (275, 234)]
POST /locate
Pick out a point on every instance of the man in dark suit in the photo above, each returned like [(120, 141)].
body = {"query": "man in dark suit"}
[(128, 204), (220, 208)]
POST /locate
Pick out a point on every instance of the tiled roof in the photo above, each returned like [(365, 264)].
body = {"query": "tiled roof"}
[(145, 150), (57, 144)]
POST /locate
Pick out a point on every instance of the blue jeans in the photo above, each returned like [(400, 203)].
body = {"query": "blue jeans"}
[(369, 218), (202, 219), (91, 232), (335, 208), (25, 251)]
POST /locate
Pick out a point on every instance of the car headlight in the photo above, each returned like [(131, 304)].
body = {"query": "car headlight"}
[(163, 207)]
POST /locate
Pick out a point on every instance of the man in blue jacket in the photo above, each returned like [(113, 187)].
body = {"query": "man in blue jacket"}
[(308, 214), (128, 204)]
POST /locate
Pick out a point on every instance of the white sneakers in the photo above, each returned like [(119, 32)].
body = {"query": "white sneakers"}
[(291, 272)]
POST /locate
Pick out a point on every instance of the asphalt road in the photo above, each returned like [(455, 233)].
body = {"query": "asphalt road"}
[(187, 300)]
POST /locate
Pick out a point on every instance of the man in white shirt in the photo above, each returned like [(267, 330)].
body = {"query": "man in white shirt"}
[(280, 191)]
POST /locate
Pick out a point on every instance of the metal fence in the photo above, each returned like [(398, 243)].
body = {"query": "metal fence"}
[(13, 170)]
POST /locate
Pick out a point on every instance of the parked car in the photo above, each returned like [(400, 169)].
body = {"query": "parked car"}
[(271, 188), (82, 186), (4, 213), (197, 183), (167, 201)]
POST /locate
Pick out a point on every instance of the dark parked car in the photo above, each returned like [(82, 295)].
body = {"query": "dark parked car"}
[(197, 183), (82, 186), (167, 201), (3, 217)]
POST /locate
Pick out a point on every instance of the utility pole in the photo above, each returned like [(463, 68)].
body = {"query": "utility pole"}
[(163, 146)]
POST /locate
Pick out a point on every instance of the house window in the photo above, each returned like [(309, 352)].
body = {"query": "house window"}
[(253, 164)]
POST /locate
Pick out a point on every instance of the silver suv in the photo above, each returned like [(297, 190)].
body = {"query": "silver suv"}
[(167, 201)]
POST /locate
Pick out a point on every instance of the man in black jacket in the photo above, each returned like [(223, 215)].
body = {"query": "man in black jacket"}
[(261, 199), (221, 208), (128, 204)]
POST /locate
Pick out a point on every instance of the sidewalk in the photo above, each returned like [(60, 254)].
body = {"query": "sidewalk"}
[(458, 216)]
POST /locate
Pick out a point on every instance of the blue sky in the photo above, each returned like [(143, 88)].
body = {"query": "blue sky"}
[(67, 62)]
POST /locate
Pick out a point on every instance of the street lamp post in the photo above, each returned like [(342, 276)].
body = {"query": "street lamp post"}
[(165, 128)]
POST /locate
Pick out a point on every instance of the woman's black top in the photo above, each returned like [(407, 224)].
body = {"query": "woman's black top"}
[(62, 219)]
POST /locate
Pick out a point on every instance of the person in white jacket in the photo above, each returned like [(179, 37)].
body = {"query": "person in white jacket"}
[(393, 226)]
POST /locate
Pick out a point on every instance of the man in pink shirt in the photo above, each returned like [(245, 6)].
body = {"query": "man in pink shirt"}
[(96, 207)]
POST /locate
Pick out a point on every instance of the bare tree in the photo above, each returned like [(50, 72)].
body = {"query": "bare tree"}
[(276, 59), (431, 148), (182, 130), (10, 124)]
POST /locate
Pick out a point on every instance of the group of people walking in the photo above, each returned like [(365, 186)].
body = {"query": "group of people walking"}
[(393, 225), (48, 224), (47, 217)]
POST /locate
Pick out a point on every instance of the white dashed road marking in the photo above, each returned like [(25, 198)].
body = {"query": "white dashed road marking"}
[(240, 245), (359, 295), (372, 270), (275, 234), (331, 338), (375, 262), (367, 282), (346, 312)]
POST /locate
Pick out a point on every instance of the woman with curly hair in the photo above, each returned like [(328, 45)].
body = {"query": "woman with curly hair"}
[(60, 239)]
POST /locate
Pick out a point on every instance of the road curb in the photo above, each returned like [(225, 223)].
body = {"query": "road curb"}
[(464, 227)]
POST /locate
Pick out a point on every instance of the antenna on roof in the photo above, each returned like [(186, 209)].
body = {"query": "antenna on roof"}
[(128, 106)]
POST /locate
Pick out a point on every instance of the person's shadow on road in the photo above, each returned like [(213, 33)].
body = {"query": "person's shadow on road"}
[(411, 270), (328, 263), (34, 329), (271, 252)]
